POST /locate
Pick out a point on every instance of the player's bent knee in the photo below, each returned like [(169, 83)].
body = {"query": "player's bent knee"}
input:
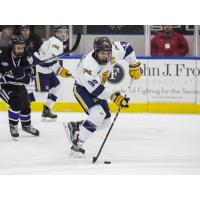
[(15, 104), (96, 115), (56, 89), (105, 124)]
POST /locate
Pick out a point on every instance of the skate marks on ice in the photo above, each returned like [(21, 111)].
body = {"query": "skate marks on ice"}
[(66, 165), (138, 144)]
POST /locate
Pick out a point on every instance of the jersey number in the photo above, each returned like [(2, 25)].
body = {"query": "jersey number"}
[(93, 82)]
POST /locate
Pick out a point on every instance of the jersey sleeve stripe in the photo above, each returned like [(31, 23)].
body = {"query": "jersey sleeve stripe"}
[(128, 50), (48, 64), (36, 60)]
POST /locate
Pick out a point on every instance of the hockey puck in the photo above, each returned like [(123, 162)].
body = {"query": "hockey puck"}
[(107, 162)]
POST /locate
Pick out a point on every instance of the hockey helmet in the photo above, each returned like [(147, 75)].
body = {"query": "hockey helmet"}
[(61, 32), (102, 44)]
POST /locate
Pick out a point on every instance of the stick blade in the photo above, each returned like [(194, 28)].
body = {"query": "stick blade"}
[(94, 159)]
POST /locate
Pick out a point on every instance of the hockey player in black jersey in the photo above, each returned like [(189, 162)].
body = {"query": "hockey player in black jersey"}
[(12, 87)]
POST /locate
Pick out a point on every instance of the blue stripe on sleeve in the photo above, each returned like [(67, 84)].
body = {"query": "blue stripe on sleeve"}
[(98, 91), (128, 50), (36, 61), (48, 64)]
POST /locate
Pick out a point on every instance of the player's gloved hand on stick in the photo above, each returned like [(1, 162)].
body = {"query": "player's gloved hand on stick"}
[(119, 100), (63, 72), (134, 71), (18, 72)]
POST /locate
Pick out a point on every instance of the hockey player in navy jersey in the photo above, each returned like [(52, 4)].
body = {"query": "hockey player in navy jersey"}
[(89, 90), (12, 87)]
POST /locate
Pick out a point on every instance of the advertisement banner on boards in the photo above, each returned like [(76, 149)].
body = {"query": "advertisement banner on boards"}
[(163, 80)]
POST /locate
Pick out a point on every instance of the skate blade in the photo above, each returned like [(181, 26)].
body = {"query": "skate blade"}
[(30, 134), (47, 119), (66, 128), (75, 154)]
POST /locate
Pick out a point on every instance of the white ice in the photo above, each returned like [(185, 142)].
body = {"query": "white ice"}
[(138, 144)]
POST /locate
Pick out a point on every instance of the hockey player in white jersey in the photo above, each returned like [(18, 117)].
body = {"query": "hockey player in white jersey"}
[(89, 90), (46, 76)]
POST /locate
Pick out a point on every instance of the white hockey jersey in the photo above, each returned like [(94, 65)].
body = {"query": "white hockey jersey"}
[(52, 47), (89, 73)]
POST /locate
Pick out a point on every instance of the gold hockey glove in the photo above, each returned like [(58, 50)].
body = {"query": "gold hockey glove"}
[(119, 100), (134, 71)]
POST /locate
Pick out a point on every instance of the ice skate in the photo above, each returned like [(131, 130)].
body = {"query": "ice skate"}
[(14, 131), (48, 115), (76, 150), (72, 130), (30, 129)]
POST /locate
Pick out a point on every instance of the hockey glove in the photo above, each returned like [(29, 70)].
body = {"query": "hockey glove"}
[(63, 72), (18, 73), (134, 71), (119, 100)]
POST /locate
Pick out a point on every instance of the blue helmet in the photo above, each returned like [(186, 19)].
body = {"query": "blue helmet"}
[(102, 44)]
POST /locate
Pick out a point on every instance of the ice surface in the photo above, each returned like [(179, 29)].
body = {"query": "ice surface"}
[(138, 144)]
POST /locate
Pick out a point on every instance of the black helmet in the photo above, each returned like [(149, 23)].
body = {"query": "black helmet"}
[(58, 28), (16, 39), (102, 44)]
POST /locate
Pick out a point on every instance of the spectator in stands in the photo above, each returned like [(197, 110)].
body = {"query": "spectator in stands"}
[(169, 43), (5, 35), (33, 41)]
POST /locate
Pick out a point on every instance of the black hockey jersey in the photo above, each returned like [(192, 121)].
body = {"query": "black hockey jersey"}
[(7, 63)]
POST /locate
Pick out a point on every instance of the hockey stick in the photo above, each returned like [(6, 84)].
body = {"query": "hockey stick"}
[(78, 38), (119, 109)]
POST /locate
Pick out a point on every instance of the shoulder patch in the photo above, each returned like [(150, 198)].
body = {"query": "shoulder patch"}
[(87, 71), (30, 59), (55, 46), (5, 64)]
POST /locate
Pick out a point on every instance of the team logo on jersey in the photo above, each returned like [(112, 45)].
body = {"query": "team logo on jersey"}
[(87, 71), (5, 64), (117, 74), (55, 46), (30, 59)]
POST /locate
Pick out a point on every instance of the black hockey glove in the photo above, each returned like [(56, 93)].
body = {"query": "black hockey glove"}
[(18, 73)]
